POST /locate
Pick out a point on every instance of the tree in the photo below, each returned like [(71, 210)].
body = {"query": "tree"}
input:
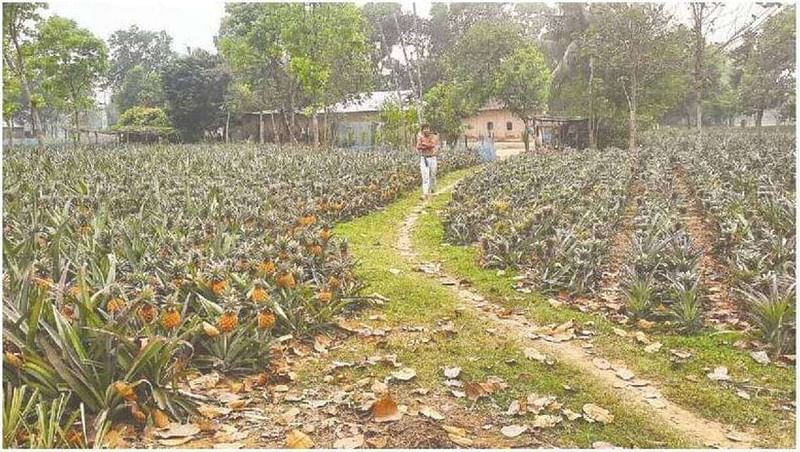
[(523, 82), (194, 88), (476, 57), (137, 60), (634, 46), (445, 107), (140, 87), (399, 124), (17, 34), (767, 64), (73, 60), (149, 50), (297, 55)]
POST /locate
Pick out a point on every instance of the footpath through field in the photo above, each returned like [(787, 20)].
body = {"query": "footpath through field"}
[(558, 343)]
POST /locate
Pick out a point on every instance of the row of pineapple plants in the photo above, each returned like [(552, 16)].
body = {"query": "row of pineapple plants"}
[(661, 278), (746, 184), (126, 267), (552, 216)]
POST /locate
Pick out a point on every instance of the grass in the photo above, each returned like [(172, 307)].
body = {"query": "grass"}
[(417, 300), (762, 413)]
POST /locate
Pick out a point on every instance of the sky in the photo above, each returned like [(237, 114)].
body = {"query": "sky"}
[(194, 23)]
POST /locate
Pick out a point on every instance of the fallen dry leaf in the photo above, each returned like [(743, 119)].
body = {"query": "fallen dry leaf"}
[(404, 374), (546, 421), (719, 374), (594, 413), (178, 430), (298, 440), (229, 446), (378, 442), (603, 445), (454, 430), (512, 431), (653, 348), (452, 372), (172, 442), (601, 363), (474, 391), (160, 419), (207, 381), (352, 442), (535, 355), (620, 332), (760, 357), (431, 413), (460, 440), (386, 410)]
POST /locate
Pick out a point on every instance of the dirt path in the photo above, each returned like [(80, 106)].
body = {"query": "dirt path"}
[(723, 312), (558, 343)]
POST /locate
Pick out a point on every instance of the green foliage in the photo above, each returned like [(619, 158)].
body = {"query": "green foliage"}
[(194, 87), (773, 314), (767, 60), (133, 48), (144, 117), (294, 56), (639, 297), (446, 105), (139, 88), (522, 82), (399, 125), (72, 60)]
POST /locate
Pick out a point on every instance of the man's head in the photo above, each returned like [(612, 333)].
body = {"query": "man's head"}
[(426, 128)]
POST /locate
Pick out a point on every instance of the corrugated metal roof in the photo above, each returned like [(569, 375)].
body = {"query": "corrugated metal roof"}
[(369, 102)]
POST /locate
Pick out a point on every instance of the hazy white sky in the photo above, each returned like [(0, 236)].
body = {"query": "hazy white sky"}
[(194, 23)]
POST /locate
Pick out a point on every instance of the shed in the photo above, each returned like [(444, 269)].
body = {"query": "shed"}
[(560, 131)]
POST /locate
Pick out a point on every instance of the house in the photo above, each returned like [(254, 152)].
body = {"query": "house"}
[(496, 122), (352, 123)]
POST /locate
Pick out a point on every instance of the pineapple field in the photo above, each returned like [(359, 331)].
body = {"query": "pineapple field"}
[(126, 267), (262, 296), (679, 233)]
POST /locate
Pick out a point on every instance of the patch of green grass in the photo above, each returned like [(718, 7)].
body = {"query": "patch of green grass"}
[(418, 300), (709, 349)]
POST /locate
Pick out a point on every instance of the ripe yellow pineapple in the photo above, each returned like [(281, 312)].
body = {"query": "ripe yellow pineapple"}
[(171, 318), (334, 283), (115, 305), (218, 286), (286, 281), (325, 296), (227, 322), (265, 320), (266, 268), (14, 360), (325, 233), (147, 313), (125, 390), (315, 249)]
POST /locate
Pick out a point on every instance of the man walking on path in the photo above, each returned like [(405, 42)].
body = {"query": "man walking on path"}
[(427, 146)]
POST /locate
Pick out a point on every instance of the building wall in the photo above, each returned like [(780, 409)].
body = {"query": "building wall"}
[(477, 126)]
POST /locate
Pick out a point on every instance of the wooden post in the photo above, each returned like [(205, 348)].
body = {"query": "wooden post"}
[(276, 138), (261, 127)]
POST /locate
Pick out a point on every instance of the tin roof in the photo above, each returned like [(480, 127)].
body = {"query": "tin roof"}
[(369, 102)]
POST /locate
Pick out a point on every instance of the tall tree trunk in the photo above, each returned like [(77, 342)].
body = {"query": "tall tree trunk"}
[(276, 138), (759, 117), (10, 122), (227, 127), (632, 118), (36, 123), (77, 136), (697, 73), (260, 127), (592, 143), (315, 126)]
